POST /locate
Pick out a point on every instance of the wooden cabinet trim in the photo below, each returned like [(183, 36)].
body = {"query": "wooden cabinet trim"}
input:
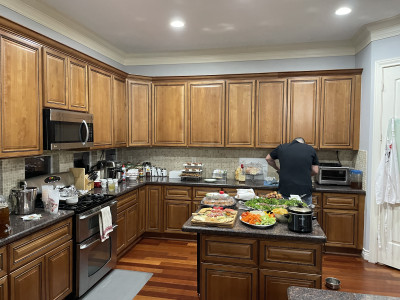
[(4, 288), (3, 261), (126, 200), (120, 112)]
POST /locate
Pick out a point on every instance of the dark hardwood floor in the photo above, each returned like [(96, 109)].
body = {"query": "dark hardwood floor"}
[(173, 263)]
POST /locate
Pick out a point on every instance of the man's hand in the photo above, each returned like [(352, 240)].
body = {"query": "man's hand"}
[(272, 162)]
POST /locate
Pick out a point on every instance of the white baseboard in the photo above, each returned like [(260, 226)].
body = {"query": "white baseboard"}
[(365, 254)]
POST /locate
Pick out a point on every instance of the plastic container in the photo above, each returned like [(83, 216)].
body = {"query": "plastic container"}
[(356, 179)]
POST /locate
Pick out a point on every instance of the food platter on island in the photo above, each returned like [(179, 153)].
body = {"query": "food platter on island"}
[(263, 215)]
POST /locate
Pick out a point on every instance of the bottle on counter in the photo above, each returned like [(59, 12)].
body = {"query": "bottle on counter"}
[(242, 174), (123, 173)]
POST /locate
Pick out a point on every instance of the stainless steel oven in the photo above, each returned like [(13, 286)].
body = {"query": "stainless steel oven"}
[(94, 258), (333, 175)]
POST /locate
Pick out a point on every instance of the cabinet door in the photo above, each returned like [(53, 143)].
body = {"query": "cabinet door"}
[(4, 288), (169, 114), (59, 272), (28, 280), (337, 112), (274, 283), (139, 113), (120, 115), (142, 211), (154, 209), (270, 113), (176, 214), (239, 105), (100, 103), (196, 205), (303, 109), (21, 100), (206, 113), (340, 227), (78, 85), (55, 77), (131, 223), (121, 231), (228, 282)]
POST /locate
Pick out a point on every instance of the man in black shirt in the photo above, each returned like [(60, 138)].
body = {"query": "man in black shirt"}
[(297, 163)]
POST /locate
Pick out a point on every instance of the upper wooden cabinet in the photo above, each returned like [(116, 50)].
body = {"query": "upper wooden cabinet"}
[(120, 113), (271, 112), (206, 113), (139, 133), (303, 109), (338, 113), (65, 81), (239, 106), (21, 97), (100, 99), (169, 113)]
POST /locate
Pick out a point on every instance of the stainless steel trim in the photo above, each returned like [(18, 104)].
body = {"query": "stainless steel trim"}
[(69, 116), (92, 240), (87, 132), (83, 217), (60, 146)]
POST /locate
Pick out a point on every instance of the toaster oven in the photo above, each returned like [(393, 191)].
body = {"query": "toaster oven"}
[(333, 175)]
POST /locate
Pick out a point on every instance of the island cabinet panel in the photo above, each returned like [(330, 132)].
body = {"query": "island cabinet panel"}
[(120, 113), (78, 85), (169, 108), (240, 102), (154, 209), (139, 98), (176, 214), (228, 282), (4, 288), (274, 283), (142, 211), (100, 100), (303, 109), (340, 227), (337, 112), (206, 113), (3, 261), (271, 112), (21, 97)]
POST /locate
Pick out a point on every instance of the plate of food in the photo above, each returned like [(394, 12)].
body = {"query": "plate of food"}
[(258, 219), (268, 204), (216, 216)]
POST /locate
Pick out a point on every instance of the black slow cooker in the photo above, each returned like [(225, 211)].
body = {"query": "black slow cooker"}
[(300, 219)]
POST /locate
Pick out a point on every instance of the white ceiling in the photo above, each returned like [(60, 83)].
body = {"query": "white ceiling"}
[(140, 28)]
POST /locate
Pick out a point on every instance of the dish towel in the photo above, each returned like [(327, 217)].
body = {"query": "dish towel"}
[(105, 223), (245, 194)]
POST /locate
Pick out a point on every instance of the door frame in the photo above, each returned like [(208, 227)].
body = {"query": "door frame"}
[(376, 142)]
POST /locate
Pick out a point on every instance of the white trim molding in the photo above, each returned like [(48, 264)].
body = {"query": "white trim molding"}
[(365, 254)]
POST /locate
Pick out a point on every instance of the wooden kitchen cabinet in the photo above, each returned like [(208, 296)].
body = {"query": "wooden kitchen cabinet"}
[(317, 212), (303, 109), (121, 232), (169, 109), (3, 261), (21, 97), (340, 227), (78, 85), (120, 113), (271, 112), (177, 212), (139, 98), (101, 106), (4, 288), (131, 223), (154, 209), (240, 108), (142, 210), (206, 113)]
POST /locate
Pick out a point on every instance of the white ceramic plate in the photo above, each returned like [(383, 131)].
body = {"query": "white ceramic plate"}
[(210, 180), (259, 212)]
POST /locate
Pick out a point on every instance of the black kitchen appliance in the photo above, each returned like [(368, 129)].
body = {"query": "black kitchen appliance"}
[(300, 219), (64, 129)]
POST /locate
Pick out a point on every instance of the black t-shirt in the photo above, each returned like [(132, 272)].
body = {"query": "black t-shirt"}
[(295, 161)]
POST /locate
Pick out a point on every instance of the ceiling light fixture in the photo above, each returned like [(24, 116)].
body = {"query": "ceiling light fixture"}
[(177, 24), (343, 11)]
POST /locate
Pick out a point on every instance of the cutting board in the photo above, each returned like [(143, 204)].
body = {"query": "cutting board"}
[(79, 178), (216, 224)]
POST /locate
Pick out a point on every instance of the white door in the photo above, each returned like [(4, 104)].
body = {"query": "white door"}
[(388, 214)]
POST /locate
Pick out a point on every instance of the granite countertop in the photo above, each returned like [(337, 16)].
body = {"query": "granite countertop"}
[(301, 293), (21, 228), (278, 231)]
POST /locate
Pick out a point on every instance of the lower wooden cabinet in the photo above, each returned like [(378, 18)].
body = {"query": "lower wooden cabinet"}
[(4, 288), (154, 209), (121, 232), (141, 211), (228, 282), (176, 214), (340, 227), (131, 223)]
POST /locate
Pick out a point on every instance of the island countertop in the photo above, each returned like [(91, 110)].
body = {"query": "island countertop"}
[(301, 293)]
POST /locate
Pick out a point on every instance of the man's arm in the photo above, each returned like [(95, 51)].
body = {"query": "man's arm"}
[(272, 162), (314, 170)]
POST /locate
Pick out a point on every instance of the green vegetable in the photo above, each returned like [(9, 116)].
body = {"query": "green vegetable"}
[(266, 220), (269, 204)]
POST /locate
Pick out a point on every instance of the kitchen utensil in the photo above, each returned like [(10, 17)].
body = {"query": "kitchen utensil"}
[(23, 200), (300, 219), (332, 283)]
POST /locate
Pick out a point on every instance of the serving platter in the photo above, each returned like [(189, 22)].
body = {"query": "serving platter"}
[(261, 213)]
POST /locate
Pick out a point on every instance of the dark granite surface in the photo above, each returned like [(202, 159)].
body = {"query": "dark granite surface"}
[(278, 231), (301, 293), (21, 228), (128, 186)]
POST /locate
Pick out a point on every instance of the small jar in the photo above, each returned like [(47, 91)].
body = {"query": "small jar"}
[(103, 183), (356, 179), (115, 182)]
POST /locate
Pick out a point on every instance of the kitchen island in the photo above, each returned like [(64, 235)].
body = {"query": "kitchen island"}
[(246, 263)]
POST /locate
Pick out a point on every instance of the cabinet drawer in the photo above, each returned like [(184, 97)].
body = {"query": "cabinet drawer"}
[(317, 199), (340, 201), (297, 257), (230, 192), (200, 192), (126, 200), (229, 250), (178, 192), (3, 261), (35, 245)]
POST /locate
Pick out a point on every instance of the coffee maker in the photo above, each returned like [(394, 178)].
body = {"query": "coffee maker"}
[(114, 170)]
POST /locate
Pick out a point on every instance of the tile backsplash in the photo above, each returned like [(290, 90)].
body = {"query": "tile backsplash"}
[(13, 169)]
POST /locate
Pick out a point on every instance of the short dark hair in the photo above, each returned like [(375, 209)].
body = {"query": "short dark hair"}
[(300, 140)]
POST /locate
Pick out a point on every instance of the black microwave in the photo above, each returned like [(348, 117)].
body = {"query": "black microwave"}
[(64, 129)]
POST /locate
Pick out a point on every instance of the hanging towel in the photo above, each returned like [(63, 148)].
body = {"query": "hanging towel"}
[(105, 223), (387, 186)]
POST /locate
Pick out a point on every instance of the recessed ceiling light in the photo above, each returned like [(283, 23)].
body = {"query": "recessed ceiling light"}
[(177, 24), (343, 11)]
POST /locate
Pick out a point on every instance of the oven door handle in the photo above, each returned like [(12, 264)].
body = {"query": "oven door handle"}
[(95, 213), (89, 244)]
